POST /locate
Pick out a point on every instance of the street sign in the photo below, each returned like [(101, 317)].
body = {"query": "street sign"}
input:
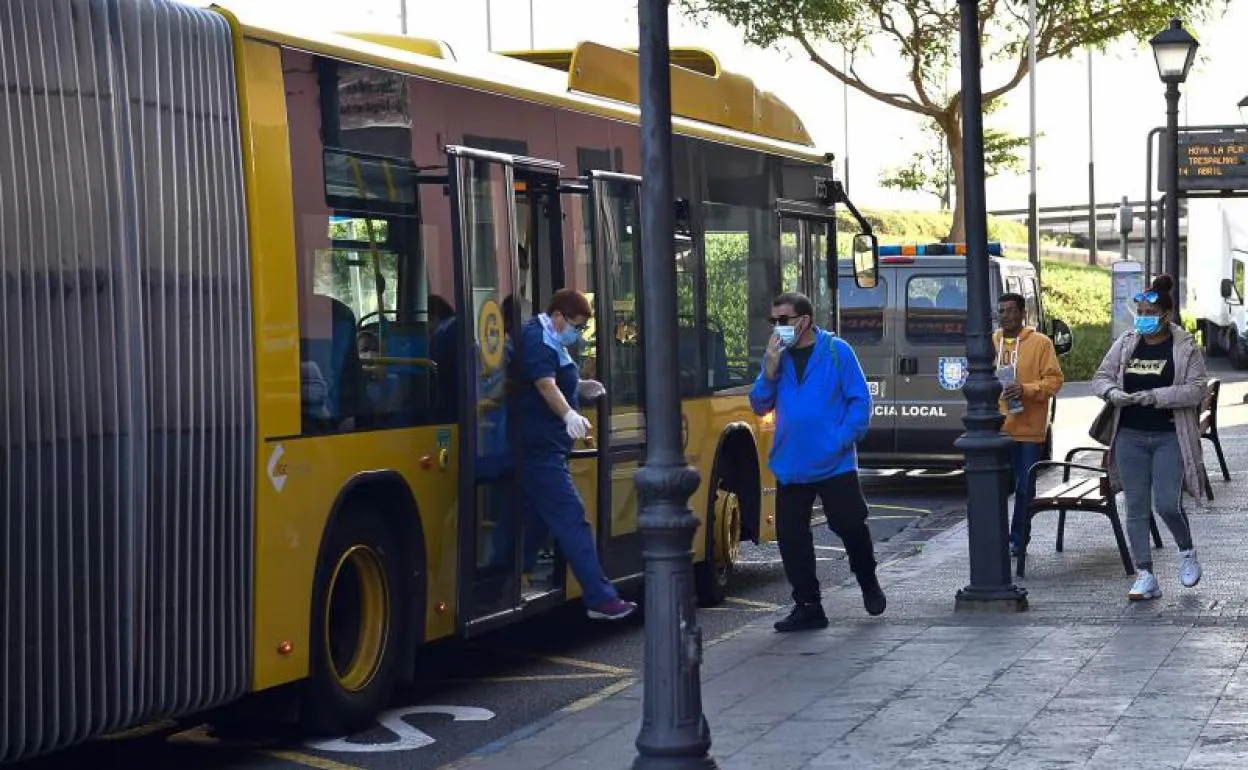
[(1213, 160)]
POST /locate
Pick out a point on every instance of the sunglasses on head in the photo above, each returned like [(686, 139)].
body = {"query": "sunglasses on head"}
[(1147, 296)]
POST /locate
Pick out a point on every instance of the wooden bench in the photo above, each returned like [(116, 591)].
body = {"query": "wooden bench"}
[(1209, 430), (1088, 493)]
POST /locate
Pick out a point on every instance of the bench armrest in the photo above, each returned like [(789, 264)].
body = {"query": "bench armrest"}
[(1067, 467), (1070, 456)]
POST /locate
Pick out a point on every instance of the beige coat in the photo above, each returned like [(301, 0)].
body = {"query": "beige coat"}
[(1184, 397)]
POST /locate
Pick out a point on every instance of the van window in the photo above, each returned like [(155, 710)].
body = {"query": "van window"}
[(936, 309), (862, 312), (1237, 275), (1032, 303)]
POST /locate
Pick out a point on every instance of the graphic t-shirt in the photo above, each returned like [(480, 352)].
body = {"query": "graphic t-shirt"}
[(1150, 366)]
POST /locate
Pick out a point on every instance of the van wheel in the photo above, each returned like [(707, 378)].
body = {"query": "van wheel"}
[(723, 545), (357, 615)]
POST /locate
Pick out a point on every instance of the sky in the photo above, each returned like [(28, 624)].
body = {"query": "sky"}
[(1127, 96)]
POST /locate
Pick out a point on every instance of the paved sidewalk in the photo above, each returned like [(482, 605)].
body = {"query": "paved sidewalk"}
[(1083, 679)]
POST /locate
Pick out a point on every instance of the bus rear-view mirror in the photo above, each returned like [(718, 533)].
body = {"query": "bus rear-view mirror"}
[(1063, 338), (866, 260)]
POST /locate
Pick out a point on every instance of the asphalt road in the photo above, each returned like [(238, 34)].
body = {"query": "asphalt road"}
[(470, 694)]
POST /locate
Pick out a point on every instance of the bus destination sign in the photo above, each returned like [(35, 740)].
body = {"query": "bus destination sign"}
[(1213, 161)]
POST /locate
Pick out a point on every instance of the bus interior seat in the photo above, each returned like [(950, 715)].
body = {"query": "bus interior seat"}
[(335, 356)]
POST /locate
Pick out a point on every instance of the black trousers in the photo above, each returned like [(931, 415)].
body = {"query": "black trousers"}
[(846, 511)]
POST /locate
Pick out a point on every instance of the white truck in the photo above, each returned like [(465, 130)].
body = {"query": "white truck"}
[(1217, 255)]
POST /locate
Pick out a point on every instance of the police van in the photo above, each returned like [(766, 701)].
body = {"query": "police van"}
[(909, 332)]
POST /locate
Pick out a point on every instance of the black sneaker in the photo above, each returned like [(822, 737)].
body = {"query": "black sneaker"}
[(872, 595), (806, 616)]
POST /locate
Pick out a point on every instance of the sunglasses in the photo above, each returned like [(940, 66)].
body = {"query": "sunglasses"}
[(783, 320), (1147, 296)]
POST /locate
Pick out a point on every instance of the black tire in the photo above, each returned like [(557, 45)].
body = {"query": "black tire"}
[(1238, 355), (1214, 339), (354, 663), (713, 575)]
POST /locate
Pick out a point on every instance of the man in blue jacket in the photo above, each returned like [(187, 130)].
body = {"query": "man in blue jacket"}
[(814, 383)]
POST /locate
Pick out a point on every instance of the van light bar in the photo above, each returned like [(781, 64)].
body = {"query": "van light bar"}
[(929, 250)]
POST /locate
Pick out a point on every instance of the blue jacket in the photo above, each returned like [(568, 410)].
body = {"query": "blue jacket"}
[(819, 420)]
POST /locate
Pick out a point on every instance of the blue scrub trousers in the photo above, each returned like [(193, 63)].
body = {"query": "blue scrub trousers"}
[(552, 505)]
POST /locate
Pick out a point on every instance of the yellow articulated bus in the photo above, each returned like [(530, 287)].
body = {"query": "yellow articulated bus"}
[(257, 289)]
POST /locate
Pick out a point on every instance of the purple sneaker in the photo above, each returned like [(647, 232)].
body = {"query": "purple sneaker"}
[(616, 609)]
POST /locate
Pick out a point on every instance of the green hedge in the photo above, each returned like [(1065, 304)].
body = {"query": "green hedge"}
[(1080, 296)]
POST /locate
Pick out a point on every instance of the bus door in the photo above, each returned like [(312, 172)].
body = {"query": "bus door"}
[(485, 185), (612, 203), (807, 249)]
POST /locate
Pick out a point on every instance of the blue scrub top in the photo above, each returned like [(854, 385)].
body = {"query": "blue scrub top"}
[(542, 432)]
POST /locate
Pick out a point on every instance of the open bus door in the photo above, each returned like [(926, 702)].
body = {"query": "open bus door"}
[(498, 294), (613, 206)]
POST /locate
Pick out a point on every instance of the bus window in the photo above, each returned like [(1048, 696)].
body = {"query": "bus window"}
[(936, 309), (790, 254), (376, 325), (739, 291), (1031, 303), (1237, 275), (820, 295), (862, 313)]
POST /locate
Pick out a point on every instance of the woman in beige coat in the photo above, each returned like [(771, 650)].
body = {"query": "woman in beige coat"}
[(1155, 377)]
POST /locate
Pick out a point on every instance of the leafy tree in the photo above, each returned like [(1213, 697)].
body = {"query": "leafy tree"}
[(930, 170), (925, 33)]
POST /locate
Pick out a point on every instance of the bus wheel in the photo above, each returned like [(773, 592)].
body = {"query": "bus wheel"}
[(723, 546), (357, 618)]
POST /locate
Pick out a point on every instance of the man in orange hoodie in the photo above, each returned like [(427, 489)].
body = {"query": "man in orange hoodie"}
[(1027, 364)]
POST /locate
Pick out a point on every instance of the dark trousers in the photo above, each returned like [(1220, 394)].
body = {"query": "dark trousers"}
[(845, 509)]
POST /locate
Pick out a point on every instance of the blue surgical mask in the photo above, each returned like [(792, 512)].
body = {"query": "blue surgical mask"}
[(1147, 324), (569, 336)]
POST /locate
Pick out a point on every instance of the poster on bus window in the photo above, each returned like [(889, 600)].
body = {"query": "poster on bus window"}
[(1128, 280)]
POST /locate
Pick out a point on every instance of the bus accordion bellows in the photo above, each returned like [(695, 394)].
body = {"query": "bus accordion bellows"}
[(257, 295)]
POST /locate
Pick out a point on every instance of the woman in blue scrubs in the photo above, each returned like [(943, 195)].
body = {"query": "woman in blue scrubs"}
[(549, 388)]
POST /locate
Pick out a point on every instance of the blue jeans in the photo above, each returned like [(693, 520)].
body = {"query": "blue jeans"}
[(552, 504), (1150, 466), (1022, 457)]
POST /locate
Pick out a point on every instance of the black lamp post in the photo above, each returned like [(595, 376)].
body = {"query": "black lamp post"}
[(1174, 49), (674, 733), (983, 443)]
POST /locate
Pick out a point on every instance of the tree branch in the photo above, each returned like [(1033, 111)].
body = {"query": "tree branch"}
[(900, 101)]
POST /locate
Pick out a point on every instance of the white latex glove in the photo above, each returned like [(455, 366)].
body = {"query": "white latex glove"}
[(1145, 398), (591, 389), (1120, 398), (578, 427)]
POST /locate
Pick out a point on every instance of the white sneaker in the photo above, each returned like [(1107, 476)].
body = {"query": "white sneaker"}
[(1145, 587), (1189, 570)]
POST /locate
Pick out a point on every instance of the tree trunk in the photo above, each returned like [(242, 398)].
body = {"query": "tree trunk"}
[(952, 126)]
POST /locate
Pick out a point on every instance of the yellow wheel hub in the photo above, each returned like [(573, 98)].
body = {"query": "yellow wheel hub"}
[(727, 533), (357, 617)]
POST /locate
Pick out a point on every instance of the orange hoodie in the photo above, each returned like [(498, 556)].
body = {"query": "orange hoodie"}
[(1041, 377)]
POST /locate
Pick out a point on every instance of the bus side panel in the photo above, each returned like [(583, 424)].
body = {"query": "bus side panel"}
[(125, 431)]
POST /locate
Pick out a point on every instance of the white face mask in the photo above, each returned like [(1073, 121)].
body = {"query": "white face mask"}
[(786, 334)]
